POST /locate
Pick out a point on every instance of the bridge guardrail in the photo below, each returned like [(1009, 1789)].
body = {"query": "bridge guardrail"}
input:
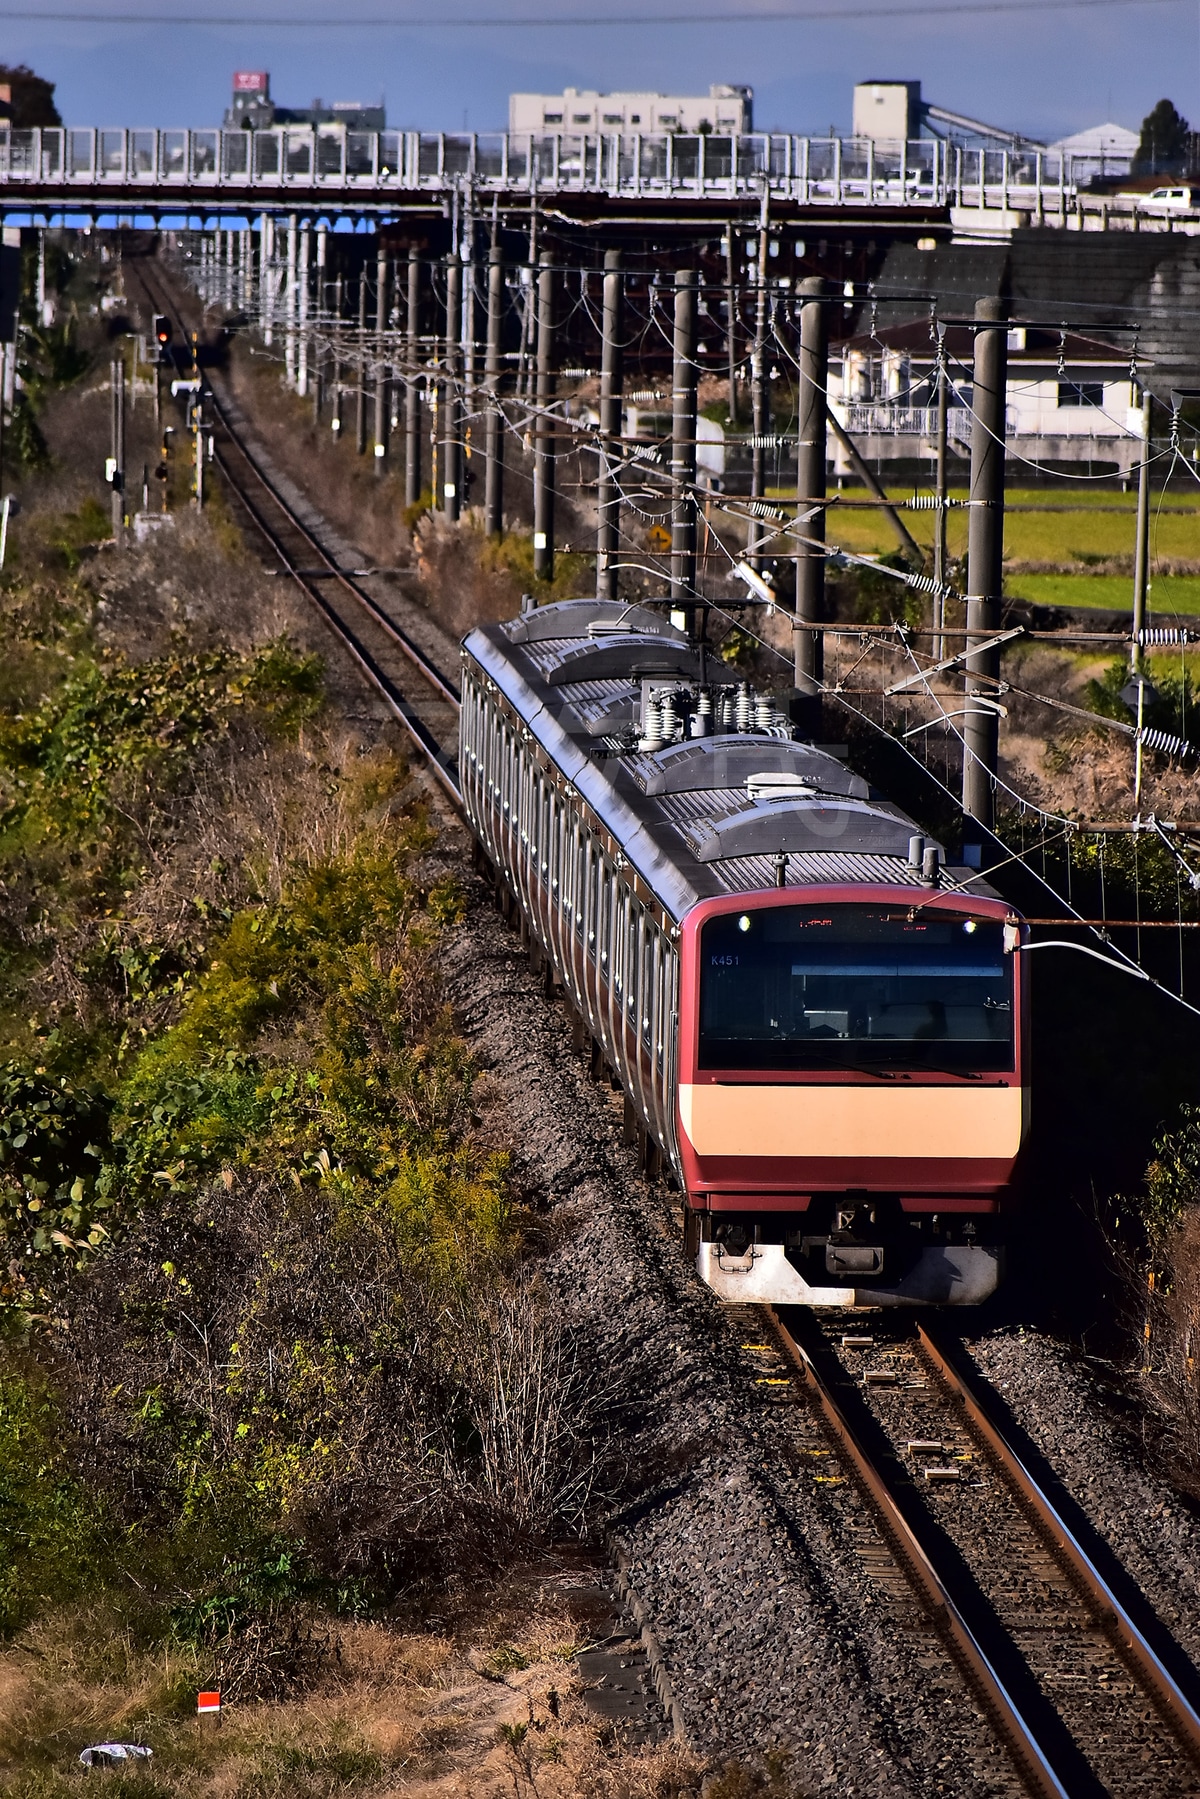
[(926, 173)]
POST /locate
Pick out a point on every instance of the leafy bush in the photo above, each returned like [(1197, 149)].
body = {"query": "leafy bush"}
[(1170, 709), (53, 1138)]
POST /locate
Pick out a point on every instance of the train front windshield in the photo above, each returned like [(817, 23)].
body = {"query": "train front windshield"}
[(806, 987)]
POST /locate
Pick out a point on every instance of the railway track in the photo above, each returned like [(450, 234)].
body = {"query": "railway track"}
[(973, 1558), (421, 695), (1055, 1684)]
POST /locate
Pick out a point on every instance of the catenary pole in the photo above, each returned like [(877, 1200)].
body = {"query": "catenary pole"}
[(118, 451), (608, 490), (985, 550), (381, 380), (812, 420), (939, 518), (451, 407), (759, 408), (683, 446), (493, 496), (319, 298), (544, 443), (360, 392), (731, 327), (1141, 556), (412, 387)]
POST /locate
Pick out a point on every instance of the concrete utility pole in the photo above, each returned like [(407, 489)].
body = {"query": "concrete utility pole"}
[(289, 345), (381, 380), (198, 423), (338, 396), (302, 262), (543, 442), (451, 406), (608, 488), (320, 297), (266, 275), (493, 497), (412, 389), (812, 417), (759, 408), (469, 404), (939, 520), (985, 550), (683, 447), (360, 392), (117, 465), (731, 330), (1141, 554)]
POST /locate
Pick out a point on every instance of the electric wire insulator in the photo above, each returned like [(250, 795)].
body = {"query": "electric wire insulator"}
[(760, 509), (744, 711), (1165, 634), (1164, 743), (926, 584), (764, 713), (766, 440)]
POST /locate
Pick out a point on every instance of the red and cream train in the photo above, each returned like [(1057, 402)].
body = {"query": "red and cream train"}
[(819, 1026)]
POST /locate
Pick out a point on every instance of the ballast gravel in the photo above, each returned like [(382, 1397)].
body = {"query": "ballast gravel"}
[(745, 1561), (1084, 1418)]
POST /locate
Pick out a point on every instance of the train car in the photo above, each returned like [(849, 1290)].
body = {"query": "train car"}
[(821, 1027)]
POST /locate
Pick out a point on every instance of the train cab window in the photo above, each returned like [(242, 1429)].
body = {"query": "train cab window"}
[(846, 986)]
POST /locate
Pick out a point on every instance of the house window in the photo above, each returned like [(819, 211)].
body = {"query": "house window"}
[(615, 118), (1081, 393), (553, 118), (581, 118), (635, 118)]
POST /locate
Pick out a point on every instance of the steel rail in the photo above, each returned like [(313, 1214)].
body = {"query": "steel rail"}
[(1176, 1706), (399, 637), (444, 768), (1032, 1760)]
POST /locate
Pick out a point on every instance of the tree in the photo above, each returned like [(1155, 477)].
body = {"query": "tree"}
[(1165, 141), (32, 97)]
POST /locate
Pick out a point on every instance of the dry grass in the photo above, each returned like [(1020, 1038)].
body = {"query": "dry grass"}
[(496, 1713)]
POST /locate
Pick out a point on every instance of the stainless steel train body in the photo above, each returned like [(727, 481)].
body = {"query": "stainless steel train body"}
[(819, 1026)]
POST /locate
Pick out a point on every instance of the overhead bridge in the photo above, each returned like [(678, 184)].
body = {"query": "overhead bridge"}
[(182, 178)]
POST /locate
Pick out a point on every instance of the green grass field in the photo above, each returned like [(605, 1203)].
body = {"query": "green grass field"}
[(1110, 593), (1080, 526)]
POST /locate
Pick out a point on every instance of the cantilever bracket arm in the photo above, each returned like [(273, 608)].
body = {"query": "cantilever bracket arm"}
[(956, 661)]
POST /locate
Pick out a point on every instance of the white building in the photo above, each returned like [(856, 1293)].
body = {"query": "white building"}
[(1100, 151), (1070, 398), (725, 109)]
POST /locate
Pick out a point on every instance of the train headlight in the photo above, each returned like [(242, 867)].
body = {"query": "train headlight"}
[(969, 926), (744, 922)]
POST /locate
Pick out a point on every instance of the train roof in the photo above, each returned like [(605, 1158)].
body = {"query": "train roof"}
[(705, 816)]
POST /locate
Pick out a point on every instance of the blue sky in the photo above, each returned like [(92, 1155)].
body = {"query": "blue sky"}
[(1046, 72)]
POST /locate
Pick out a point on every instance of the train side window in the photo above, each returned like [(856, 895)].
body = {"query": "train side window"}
[(604, 918), (649, 995), (633, 960)]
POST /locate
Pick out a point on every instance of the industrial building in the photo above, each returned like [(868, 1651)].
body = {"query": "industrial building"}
[(724, 109)]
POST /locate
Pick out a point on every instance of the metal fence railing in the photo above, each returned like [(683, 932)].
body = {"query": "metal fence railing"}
[(926, 173)]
